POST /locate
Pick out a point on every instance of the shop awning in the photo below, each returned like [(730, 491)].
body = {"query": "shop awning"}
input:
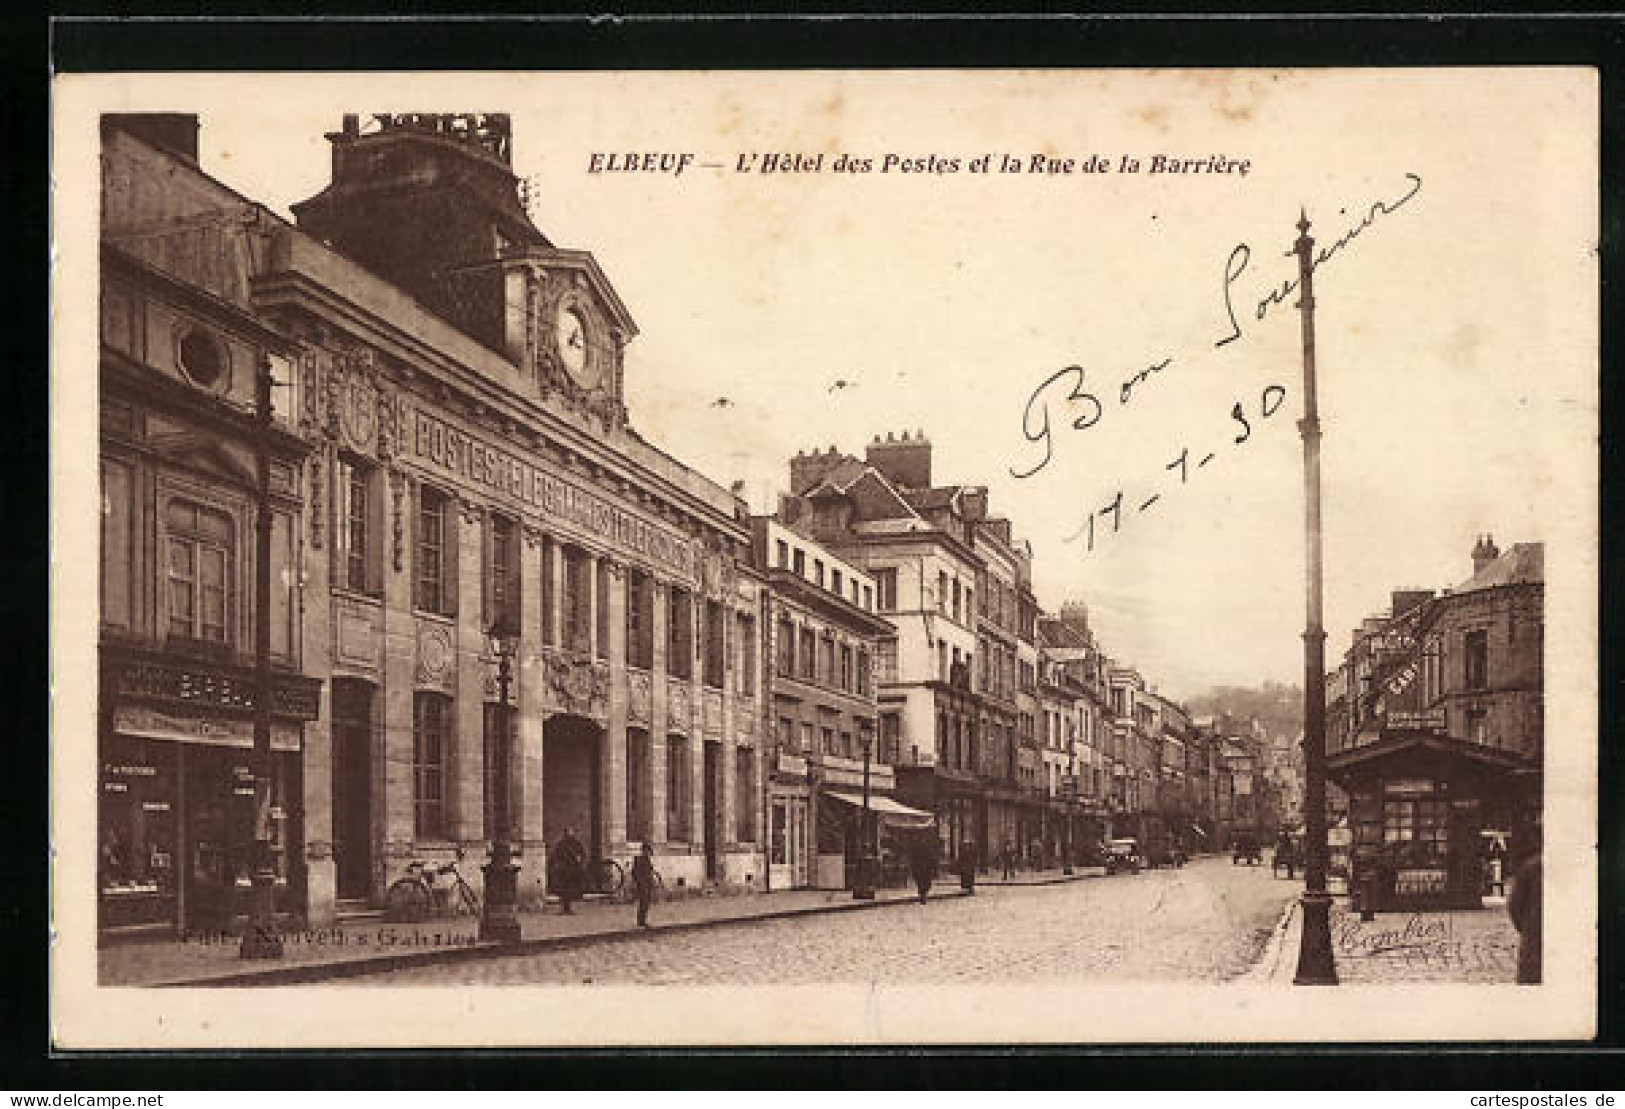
[(889, 811)]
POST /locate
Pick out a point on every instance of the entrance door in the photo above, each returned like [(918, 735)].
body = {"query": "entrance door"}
[(713, 806), (352, 788), (800, 861), (571, 782)]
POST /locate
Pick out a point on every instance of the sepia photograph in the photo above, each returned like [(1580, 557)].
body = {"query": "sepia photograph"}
[(824, 557)]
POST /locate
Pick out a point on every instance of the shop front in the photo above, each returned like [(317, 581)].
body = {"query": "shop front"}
[(1418, 803), (176, 809), (789, 842)]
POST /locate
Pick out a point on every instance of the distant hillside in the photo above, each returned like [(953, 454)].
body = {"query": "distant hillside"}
[(1278, 707)]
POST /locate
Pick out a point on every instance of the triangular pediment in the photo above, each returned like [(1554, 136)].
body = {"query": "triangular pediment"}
[(584, 269)]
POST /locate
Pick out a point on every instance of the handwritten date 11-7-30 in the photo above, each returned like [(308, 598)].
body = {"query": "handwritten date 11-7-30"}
[(1269, 402)]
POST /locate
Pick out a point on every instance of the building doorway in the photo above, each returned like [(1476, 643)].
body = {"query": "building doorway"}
[(571, 793), (713, 808), (352, 788)]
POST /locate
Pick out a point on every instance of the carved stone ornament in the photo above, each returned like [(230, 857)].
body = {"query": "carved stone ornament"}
[(316, 513), (435, 655), (639, 698), (712, 713), (576, 685), (397, 494), (679, 711)]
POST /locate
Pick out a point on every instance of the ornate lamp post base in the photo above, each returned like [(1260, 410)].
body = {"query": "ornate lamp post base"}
[(1316, 966), (499, 919)]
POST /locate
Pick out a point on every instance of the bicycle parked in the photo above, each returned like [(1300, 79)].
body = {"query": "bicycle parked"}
[(420, 893)]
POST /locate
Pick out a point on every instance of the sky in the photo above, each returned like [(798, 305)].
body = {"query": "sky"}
[(1456, 329)]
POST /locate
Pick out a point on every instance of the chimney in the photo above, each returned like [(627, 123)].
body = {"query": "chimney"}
[(1484, 553), (906, 461), (808, 468), (172, 132), (1402, 601)]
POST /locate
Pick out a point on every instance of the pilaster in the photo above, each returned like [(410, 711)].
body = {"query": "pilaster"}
[(658, 729), (467, 779), (615, 735)]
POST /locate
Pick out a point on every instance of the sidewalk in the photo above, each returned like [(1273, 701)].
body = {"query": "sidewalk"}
[(1049, 877), (374, 944), (1472, 946)]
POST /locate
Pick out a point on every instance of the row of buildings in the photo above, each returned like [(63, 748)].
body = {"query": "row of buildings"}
[(1435, 734), (451, 480)]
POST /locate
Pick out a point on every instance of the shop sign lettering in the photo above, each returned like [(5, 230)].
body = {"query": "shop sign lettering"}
[(134, 720)]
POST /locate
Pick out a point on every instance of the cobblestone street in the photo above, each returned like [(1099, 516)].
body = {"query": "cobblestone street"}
[(1205, 922)]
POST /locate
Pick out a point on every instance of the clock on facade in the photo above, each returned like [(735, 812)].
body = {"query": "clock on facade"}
[(574, 355)]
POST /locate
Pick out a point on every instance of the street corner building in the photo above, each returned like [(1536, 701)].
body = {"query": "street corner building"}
[(1436, 735), (453, 475)]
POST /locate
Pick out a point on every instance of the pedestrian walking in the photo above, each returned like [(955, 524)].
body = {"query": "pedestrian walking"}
[(643, 882), (1523, 906), (567, 870), (967, 867), (922, 862), (1007, 860)]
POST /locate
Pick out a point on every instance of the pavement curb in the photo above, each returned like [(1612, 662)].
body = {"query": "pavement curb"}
[(1268, 967), (374, 964)]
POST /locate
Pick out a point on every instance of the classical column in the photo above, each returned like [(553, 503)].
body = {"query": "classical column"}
[(726, 822), (615, 737), (393, 818), (466, 787), (317, 658), (658, 725), (594, 562), (525, 818)]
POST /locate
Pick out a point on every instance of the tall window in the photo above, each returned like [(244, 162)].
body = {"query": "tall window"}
[(679, 634), (942, 591), (868, 598), (550, 552), (200, 572), (958, 597), (431, 719), (502, 570), (826, 671), (785, 655), (745, 794), (434, 553), (846, 668), (818, 572), (835, 581), (784, 555), (714, 644), (787, 734), (745, 630), (942, 737), (355, 537), (863, 673), (640, 619), (1477, 648), (118, 543), (891, 736), (809, 648), (679, 789), (829, 740), (579, 588), (886, 584), (639, 786), (800, 562)]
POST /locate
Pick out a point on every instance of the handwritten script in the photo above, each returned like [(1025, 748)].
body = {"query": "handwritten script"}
[(1077, 403)]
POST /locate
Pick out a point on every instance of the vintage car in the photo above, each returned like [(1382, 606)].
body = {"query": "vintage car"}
[(1123, 854), (1246, 850)]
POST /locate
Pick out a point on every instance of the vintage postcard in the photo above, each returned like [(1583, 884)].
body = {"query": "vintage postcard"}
[(827, 557)]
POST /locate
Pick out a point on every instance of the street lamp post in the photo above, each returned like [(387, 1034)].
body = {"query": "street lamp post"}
[(1071, 818), (499, 920), (1316, 966), (260, 938), (863, 886)]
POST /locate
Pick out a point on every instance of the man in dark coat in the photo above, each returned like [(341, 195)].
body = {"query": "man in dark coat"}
[(567, 870), (1523, 906), (922, 862), (643, 882), (967, 867)]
